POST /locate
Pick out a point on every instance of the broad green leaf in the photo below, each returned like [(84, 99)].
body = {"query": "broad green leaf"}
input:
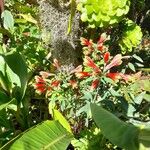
[(144, 137), (4, 78), (5, 105), (118, 132), (147, 97), (49, 135), (8, 20), (5, 100), (18, 73), (58, 116)]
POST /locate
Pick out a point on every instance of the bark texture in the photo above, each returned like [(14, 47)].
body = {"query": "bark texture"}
[(54, 17)]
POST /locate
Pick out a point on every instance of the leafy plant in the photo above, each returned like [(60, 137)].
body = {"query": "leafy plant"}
[(131, 37), (100, 13), (118, 132), (47, 135)]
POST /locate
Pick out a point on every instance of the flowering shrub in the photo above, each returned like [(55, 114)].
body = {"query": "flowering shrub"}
[(72, 89)]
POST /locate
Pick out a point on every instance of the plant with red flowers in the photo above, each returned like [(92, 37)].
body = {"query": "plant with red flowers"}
[(72, 89)]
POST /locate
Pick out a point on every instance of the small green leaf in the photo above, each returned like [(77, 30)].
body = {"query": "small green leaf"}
[(138, 58), (131, 66), (8, 20)]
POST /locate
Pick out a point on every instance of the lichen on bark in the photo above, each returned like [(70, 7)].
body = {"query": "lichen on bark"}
[(54, 18)]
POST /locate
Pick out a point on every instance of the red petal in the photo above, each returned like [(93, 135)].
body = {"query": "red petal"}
[(82, 74), (55, 83), (95, 84), (113, 76), (117, 60), (106, 57)]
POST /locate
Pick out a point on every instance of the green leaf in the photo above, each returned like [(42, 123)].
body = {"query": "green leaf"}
[(18, 73), (144, 137), (138, 58), (147, 97), (5, 105), (118, 132), (58, 116), (8, 20), (49, 135), (131, 66)]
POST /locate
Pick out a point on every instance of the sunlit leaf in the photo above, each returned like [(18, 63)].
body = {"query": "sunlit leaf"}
[(49, 135), (8, 20), (118, 132), (58, 116)]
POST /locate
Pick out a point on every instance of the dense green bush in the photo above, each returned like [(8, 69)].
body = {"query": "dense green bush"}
[(99, 13), (131, 36)]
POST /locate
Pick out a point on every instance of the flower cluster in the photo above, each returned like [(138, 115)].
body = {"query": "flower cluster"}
[(43, 84), (97, 63)]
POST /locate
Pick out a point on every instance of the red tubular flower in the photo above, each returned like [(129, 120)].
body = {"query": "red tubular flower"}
[(106, 57), (44, 74), (95, 84), (86, 42), (101, 41), (117, 60), (77, 69), (39, 79), (113, 76), (90, 63), (40, 85), (102, 38), (55, 83), (40, 88), (81, 75), (73, 83), (100, 46)]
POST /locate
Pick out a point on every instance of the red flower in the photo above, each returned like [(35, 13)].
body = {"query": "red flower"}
[(39, 79), (81, 75), (90, 63), (55, 83), (100, 46), (44, 74), (40, 88), (77, 69), (73, 83), (106, 57), (40, 85), (95, 84), (102, 38), (101, 41), (113, 76), (86, 42), (117, 60)]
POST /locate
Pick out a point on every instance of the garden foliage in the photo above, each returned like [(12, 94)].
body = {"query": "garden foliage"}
[(100, 102)]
